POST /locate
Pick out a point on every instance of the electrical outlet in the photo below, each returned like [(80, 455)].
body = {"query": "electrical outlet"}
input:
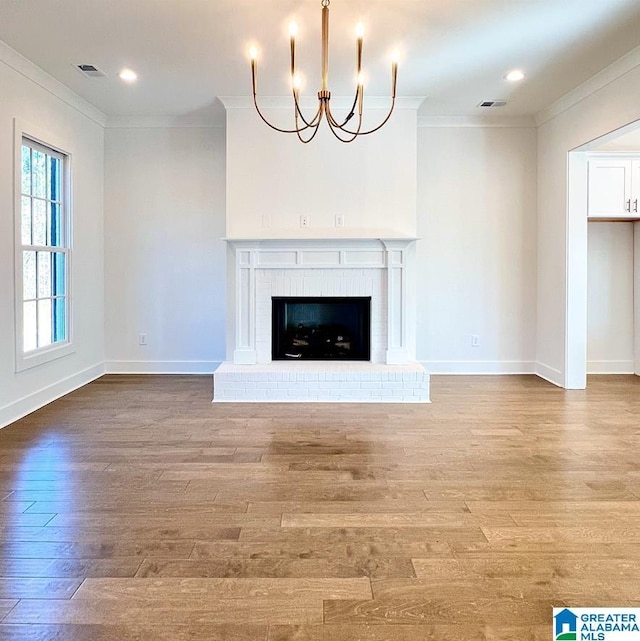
[(339, 220), (475, 340), (142, 339), (266, 220), (304, 221)]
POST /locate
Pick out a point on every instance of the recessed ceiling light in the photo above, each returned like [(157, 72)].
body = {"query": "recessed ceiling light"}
[(514, 76), (128, 75)]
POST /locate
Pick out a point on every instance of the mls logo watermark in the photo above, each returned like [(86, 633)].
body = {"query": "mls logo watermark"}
[(596, 624)]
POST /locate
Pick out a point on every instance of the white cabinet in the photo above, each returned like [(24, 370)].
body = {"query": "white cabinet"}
[(614, 187)]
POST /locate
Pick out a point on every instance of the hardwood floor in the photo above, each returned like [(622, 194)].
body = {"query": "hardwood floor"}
[(134, 509)]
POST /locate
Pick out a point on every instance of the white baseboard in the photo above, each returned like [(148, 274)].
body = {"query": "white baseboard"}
[(161, 367), (610, 367), (479, 367), (34, 401), (550, 374)]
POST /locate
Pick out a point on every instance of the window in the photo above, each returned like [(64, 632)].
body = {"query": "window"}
[(43, 254)]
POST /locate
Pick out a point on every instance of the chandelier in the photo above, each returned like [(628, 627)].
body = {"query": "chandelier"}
[(306, 129)]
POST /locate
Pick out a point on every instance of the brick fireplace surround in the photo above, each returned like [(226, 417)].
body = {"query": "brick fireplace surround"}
[(379, 268)]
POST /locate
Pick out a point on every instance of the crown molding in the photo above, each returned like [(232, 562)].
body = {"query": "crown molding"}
[(38, 76), (515, 122), (309, 102), (599, 81), (164, 122)]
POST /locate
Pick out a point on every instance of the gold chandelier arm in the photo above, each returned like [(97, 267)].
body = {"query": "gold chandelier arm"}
[(335, 128), (315, 128), (316, 118), (352, 113), (382, 124), (297, 130)]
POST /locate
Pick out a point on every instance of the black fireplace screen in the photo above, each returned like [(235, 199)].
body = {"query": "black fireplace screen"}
[(321, 328)]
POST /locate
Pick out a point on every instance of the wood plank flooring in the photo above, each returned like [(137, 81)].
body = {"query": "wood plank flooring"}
[(134, 510)]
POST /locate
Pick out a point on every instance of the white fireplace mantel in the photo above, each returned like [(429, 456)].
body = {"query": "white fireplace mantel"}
[(376, 267)]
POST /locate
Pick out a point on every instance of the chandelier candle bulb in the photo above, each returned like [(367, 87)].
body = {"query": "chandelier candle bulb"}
[(394, 75), (293, 32), (253, 55), (360, 37), (296, 84)]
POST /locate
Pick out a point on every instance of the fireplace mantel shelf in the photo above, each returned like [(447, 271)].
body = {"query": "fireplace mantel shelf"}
[(324, 235)]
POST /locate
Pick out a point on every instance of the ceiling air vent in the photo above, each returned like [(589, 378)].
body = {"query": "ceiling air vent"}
[(91, 71), (493, 103)]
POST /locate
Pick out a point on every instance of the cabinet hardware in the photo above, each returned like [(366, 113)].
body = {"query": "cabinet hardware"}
[(635, 205), (628, 207)]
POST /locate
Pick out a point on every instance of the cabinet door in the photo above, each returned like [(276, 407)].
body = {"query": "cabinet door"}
[(609, 188)]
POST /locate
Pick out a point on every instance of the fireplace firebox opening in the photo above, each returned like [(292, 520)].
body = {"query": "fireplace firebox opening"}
[(321, 328)]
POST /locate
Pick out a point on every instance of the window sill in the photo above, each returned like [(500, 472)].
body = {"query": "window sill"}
[(43, 355)]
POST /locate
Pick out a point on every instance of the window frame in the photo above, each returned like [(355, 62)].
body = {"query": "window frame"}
[(33, 134)]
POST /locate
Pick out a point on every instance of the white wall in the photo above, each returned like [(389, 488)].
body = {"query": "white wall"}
[(610, 298), (476, 219), (636, 295), (164, 257), (371, 182), (562, 230), (22, 98), (629, 142), (477, 253)]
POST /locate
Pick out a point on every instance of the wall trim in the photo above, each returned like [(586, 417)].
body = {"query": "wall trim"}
[(163, 122), (309, 102), (610, 367), (549, 374), (599, 81), (479, 367), (515, 122), (161, 367), (38, 76), (36, 400)]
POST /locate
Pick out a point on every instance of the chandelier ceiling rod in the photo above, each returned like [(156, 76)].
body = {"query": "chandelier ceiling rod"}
[(312, 125)]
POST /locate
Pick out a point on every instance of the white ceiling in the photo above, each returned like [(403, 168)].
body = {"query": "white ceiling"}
[(188, 52)]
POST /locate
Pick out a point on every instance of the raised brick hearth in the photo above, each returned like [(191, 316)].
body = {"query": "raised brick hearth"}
[(376, 268)]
